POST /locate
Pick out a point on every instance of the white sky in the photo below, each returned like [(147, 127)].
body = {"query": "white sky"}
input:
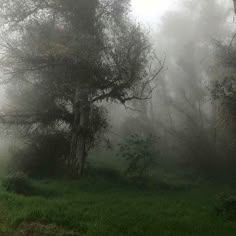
[(150, 11)]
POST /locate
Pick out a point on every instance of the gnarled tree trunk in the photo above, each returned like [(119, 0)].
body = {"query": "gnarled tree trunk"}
[(80, 129)]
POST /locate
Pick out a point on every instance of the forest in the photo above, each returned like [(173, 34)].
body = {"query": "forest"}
[(117, 118)]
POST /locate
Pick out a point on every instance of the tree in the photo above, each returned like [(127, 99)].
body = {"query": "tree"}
[(224, 93), (184, 112), (140, 154), (72, 55), (234, 2)]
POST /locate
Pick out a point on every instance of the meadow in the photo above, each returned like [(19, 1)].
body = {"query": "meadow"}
[(100, 207)]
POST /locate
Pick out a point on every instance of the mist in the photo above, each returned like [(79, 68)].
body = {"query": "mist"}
[(118, 117)]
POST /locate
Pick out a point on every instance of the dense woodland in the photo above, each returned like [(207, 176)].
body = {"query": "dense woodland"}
[(92, 100)]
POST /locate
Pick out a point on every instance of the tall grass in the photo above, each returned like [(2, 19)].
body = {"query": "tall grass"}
[(97, 207)]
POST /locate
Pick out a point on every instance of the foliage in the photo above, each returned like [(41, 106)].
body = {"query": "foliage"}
[(18, 183), (42, 157), (68, 57), (140, 154), (226, 206), (105, 173), (111, 210), (224, 93)]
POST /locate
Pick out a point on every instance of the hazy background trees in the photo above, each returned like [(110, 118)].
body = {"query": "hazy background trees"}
[(192, 108)]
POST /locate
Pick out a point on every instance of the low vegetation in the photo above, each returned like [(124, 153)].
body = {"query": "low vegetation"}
[(226, 206), (140, 154), (18, 183), (100, 205)]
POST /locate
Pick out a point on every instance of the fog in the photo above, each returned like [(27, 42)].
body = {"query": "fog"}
[(150, 12), (182, 112), (185, 110), (118, 117)]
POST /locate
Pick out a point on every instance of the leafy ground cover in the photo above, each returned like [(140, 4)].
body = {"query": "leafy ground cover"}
[(95, 206)]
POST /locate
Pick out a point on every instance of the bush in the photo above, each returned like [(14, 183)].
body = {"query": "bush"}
[(104, 173), (226, 207), (42, 158), (18, 183), (140, 153)]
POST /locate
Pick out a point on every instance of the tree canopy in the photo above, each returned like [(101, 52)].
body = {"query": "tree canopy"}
[(63, 58)]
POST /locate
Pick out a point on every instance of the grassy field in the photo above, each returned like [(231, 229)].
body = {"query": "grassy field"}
[(105, 206), (95, 206)]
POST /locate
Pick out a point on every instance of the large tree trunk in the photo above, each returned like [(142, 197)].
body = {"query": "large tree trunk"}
[(80, 127)]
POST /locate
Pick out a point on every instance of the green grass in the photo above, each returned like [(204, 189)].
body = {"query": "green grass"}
[(98, 207)]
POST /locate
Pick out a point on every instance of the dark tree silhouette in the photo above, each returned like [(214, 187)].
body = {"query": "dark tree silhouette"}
[(72, 55)]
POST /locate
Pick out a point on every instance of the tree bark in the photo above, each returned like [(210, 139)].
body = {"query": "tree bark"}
[(80, 129)]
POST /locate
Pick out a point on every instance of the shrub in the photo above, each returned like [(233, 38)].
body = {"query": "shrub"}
[(41, 158), (18, 183), (226, 206), (105, 173), (140, 154)]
